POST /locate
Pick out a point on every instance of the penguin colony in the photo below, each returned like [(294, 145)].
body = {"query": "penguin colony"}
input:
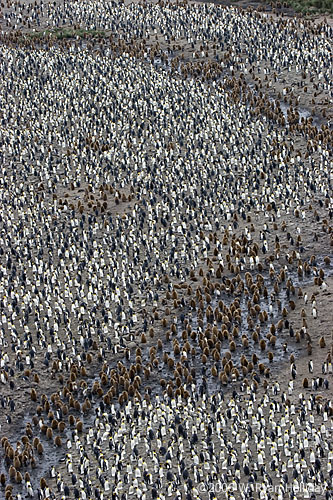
[(165, 254)]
